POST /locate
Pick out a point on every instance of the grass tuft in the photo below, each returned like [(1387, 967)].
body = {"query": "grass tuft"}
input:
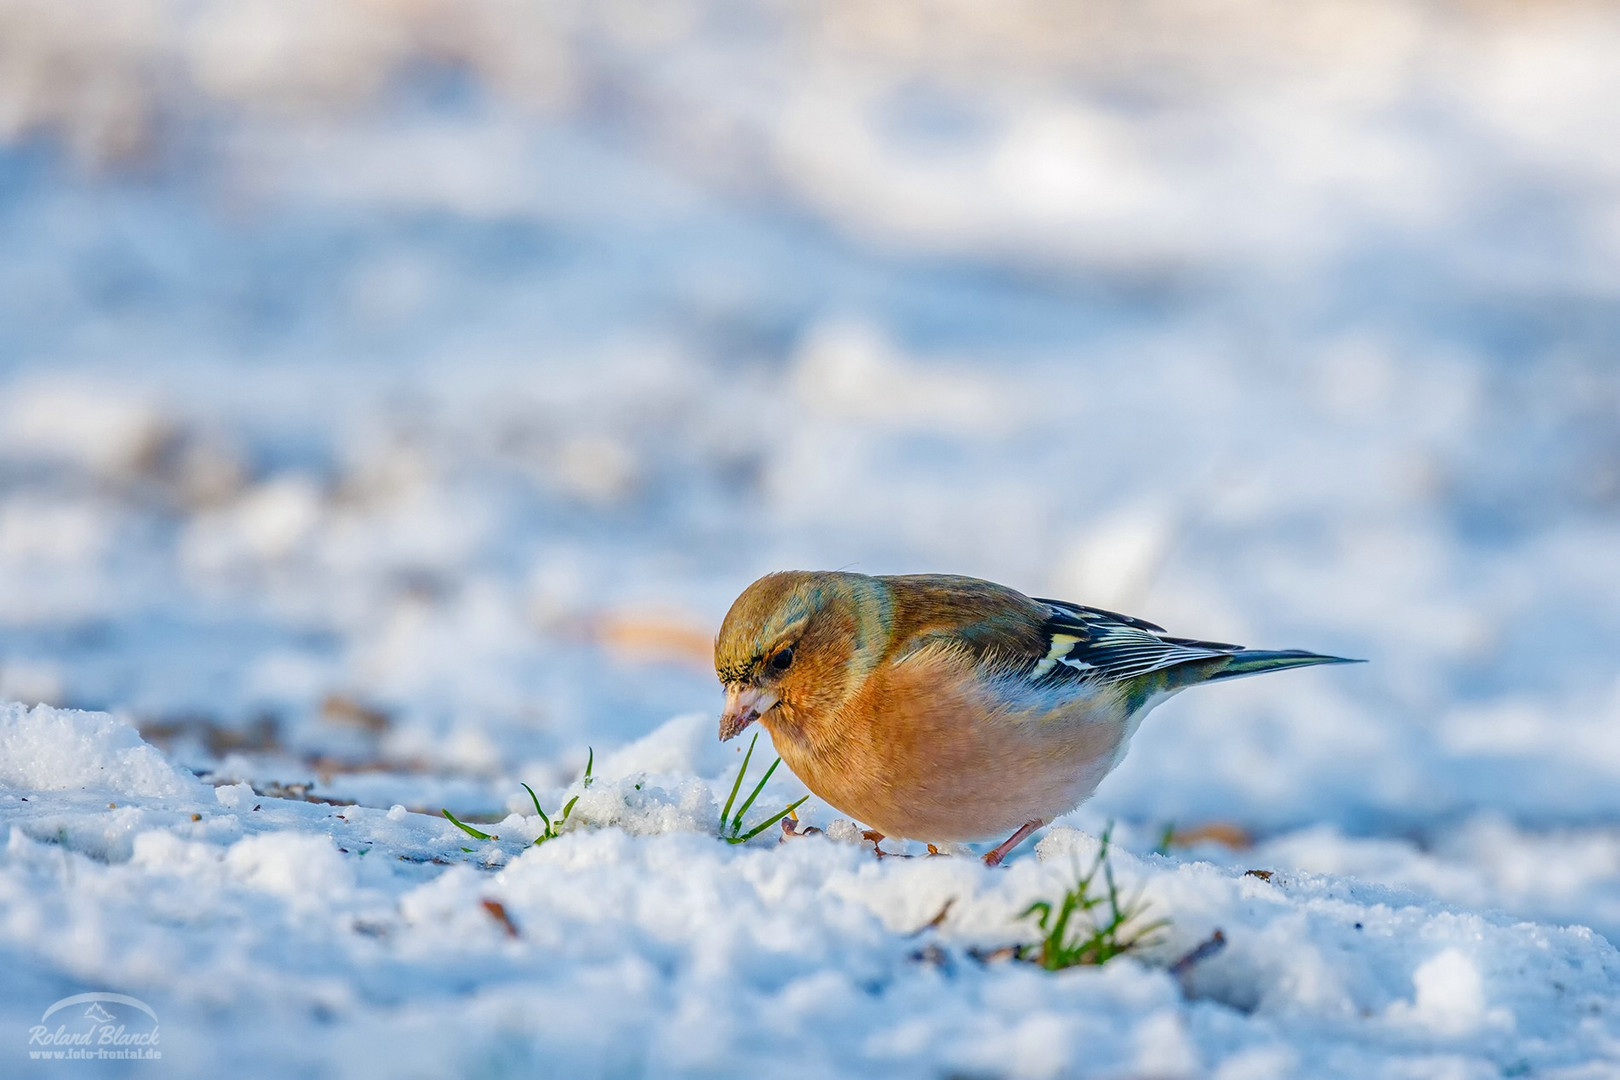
[(1090, 924), (554, 829), (732, 830), (553, 823)]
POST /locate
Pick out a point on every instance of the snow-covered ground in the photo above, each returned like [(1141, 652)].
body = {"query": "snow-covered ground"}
[(393, 396)]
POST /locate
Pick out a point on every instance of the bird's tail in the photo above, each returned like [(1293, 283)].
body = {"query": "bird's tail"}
[(1230, 662), (1248, 662)]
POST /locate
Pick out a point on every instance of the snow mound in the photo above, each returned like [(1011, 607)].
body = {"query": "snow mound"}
[(49, 749), (640, 807), (682, 744)]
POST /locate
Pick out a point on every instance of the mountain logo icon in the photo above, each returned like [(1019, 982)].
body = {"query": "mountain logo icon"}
[(99, 1014)]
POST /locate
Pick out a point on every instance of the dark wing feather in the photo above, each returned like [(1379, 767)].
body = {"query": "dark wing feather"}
[(1090, 644), (1063, 607)]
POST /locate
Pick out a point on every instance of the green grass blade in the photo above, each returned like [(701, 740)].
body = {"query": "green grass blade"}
[(1042, 906), (736, 784), (590, 760), (536, 800), (548, 834), (468, 829), (759, 787), (768, 822)]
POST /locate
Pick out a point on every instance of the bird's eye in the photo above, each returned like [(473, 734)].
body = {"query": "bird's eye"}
[(782, 658)]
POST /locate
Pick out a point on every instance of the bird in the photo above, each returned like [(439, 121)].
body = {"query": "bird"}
[(950, 709)]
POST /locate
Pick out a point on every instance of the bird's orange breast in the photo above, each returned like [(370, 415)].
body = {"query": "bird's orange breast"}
[(927, 749)]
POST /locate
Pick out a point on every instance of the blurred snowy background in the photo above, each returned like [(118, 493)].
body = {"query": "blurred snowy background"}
[(395, 393)]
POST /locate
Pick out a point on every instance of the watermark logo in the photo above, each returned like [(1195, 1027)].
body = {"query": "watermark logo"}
[(96, 1027)]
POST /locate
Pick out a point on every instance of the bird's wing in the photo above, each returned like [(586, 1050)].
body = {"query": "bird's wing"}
[(1044, 643), (1092, 645)]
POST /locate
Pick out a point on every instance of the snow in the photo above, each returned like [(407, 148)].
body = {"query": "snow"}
[(645, 944), (46, 749), (394, 396)]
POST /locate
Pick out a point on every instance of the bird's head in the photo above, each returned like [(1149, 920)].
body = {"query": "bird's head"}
[(795, 642)]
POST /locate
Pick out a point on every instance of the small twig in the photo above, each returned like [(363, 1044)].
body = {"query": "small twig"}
[(497, 911), (1206, 949), (937, 921)]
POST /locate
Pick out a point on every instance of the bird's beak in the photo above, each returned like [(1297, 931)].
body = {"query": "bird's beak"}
[(744, 705)]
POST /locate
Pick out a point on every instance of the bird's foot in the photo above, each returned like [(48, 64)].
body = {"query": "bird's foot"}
[(877, 845), (1002, 849), (790, 827)]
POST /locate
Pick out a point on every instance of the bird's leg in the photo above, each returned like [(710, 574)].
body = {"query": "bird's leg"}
[(877, 845), (994, 858)]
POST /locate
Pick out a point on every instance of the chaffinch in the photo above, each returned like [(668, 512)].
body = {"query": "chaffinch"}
[(944, 708)]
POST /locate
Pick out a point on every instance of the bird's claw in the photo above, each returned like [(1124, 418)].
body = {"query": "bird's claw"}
[(790, 827)]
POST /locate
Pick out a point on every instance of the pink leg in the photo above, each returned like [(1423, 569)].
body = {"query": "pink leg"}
[(877, 845), (994, 858)]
